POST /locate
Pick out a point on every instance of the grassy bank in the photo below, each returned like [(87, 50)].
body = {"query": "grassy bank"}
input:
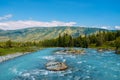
[(103, 47), (5, 51)]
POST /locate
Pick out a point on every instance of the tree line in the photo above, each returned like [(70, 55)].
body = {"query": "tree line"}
[(108, 38), (84, 41)]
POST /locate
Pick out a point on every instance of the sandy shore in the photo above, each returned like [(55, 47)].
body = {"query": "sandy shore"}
[(11, 56)]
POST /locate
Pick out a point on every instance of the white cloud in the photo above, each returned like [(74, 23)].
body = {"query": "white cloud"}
[(111, 27), (105, 27), (12, 25), (6, 17), (117, 27)]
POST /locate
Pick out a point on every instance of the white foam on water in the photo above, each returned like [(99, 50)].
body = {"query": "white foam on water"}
[(26, 74), (89, 66), (48, 57), (70, 56), (39, 72), (64, 60), (77, 78), (84, 61), (79, 62), (14, 70), (59, 56), (31, 74), (118, 64), (32, 77), (87, 77)]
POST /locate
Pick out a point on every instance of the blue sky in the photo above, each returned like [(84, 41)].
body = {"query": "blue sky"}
[(88, 13)]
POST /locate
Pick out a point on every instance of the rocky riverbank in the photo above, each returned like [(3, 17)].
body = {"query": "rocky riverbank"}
[(11, 56)]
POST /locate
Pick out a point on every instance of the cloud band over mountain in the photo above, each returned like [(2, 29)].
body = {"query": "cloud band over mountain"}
[(7, 24), (12, 25)]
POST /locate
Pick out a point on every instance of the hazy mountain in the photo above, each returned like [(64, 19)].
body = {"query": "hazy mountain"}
[(41, 33)]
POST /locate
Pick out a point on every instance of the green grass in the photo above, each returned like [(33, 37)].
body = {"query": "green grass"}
[(104, 46), (5, 51)]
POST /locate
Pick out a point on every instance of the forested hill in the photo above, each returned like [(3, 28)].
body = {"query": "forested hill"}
[(41, 33)]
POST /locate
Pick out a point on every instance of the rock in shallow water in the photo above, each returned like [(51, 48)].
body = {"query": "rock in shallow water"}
[(71, 51), (103, 49), (56, 66)]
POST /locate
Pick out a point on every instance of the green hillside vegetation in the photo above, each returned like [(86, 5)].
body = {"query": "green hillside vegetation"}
[(42, 33), (98, 39), (102, 39)]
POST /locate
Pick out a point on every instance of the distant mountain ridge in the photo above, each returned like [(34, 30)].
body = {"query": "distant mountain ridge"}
[(41, 33)]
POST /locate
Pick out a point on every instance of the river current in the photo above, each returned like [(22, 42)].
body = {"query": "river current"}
[(92, 65)]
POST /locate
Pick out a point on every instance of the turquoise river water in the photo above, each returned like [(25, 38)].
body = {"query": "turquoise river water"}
[(90, 66)]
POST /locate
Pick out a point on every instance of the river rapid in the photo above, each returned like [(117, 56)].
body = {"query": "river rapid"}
[(92, 65)]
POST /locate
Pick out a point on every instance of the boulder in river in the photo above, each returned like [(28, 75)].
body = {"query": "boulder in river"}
[(56, 66), (100, 50)]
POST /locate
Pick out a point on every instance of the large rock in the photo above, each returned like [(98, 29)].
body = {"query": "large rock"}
[(56, 66)]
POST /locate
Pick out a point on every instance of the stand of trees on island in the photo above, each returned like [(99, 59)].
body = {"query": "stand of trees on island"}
[(104, 39)]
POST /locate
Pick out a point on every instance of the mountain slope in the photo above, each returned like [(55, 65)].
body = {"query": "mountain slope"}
[(41, 33)]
